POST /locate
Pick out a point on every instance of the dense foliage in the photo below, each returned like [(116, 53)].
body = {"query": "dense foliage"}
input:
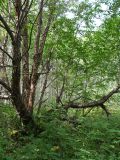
[(93, 137)]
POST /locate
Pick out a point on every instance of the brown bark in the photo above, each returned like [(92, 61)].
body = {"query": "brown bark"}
[(24, 106), (36, 59), (25, 61), (16, 96), (18, 8), (15, 83), (39, 46), (44, 84)]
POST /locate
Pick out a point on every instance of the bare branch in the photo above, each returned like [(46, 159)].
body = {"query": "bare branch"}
[(7, 28), (5, 52), (5, 86), (31, 31), (39, 28), (45, 83), (44, 36), (25, 11)]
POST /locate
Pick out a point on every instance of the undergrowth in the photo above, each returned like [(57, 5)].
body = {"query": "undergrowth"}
[(94, 137)]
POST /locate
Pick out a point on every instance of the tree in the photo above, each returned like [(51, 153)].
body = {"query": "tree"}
[(17, 27)]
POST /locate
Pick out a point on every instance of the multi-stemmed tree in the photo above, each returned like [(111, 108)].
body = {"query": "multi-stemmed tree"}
[(17, 28)]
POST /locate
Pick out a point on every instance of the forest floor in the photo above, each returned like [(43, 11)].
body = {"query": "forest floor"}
[(94, 137)]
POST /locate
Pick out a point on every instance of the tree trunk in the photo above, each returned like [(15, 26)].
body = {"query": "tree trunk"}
[(25, 61), (16, 95)]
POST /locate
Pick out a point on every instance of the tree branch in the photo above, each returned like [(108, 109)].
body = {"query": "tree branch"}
[(5, 86), (4, 97), (93, 103), (7, 28), (5, 52)]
